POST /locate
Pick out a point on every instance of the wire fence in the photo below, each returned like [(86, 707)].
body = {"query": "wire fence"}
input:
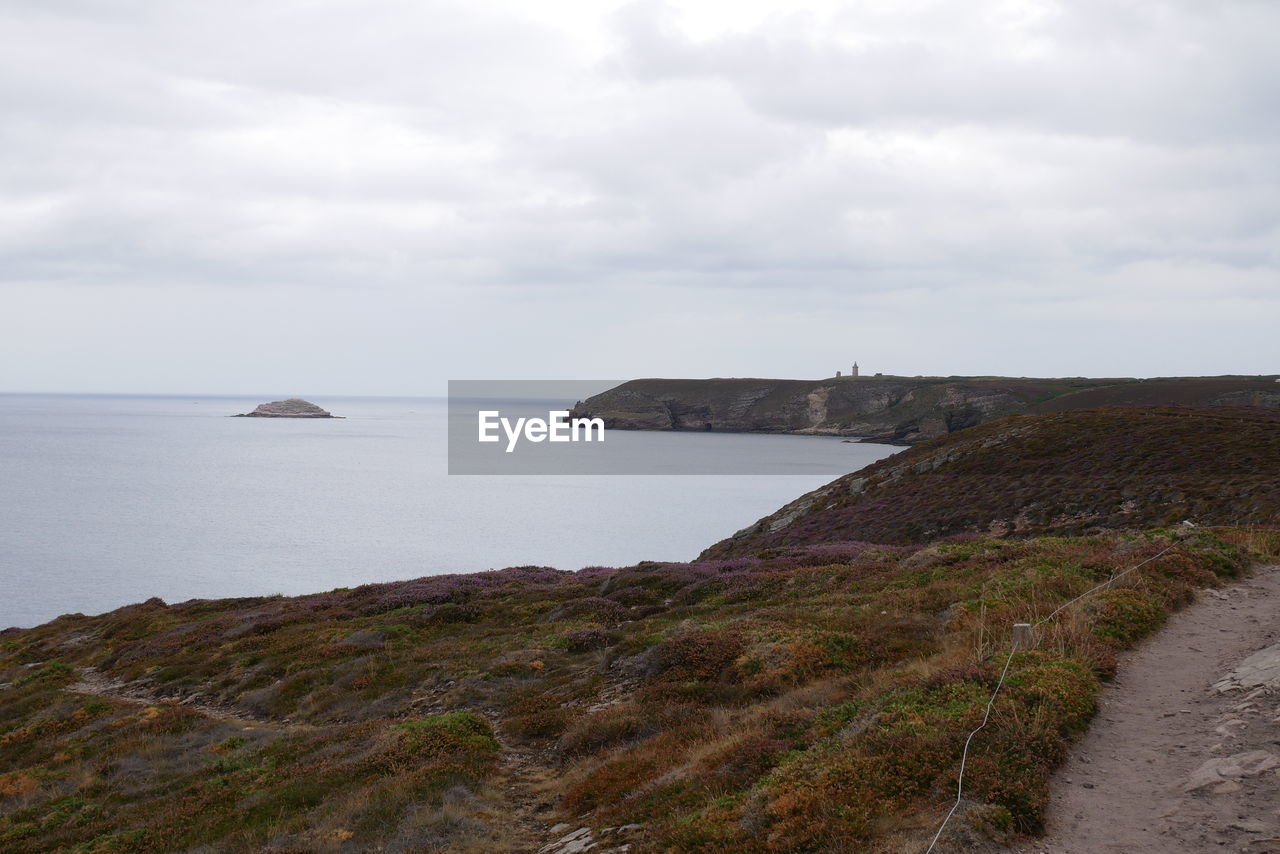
[(1013, 649)]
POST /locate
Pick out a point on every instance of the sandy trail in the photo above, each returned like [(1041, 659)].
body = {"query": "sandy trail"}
[(1162, 728)]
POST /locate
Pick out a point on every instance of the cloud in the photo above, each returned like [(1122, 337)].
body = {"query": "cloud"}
[(513, 166), (1167, 72)]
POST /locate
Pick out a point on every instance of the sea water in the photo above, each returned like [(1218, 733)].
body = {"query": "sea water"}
[(109, 500)]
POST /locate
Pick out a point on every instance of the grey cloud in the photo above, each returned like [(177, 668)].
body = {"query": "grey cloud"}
[(480, 162), (1171, 71)]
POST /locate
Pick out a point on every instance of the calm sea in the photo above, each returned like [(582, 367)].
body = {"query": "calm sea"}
[(109, 500)]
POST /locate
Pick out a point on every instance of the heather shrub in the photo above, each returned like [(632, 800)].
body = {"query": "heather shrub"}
[(1226, 560), (1124, 616), (454, 745), (742, 761), (15, 784), (129, 627), (605, 728), (629, 772), (1010, 766), (52, 671), (813, 804), (1182, 576), (525, 664), (453, 731), (537, 717), (1066, 687), (634, 596), (171, 718), (585, 640), (594, 608), (611, 783), (447, 613), (1249, 543), (697, 655)]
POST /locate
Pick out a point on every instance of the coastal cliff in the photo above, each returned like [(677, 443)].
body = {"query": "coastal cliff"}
[(892, 410)]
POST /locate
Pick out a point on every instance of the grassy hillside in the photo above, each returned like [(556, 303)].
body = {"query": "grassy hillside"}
[(1204, 391), (1071, 472), (816, 700)]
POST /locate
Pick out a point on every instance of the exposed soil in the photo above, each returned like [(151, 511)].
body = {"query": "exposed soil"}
[(1179, 760)]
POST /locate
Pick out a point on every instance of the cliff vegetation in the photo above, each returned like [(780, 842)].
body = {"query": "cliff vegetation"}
[(1070, 472)]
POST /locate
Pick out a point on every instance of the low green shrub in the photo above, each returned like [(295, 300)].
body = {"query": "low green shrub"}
[(1124, 616)]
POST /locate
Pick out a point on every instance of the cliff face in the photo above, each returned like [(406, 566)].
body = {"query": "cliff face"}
[(1067, 473), (894, 410)]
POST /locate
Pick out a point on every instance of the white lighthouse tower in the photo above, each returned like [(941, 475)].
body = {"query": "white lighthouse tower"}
[(854, 372)]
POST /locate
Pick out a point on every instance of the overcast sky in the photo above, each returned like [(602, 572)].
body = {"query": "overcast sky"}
[(331, 196)]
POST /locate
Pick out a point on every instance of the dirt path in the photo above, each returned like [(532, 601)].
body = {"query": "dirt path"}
[(526, 781), (97, 684), (528, 810), (1171, 763)]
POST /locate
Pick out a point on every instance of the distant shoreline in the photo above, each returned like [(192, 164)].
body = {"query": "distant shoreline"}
[(895, 410)]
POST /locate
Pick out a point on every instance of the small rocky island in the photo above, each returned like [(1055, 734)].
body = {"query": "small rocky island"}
[(294, 407)]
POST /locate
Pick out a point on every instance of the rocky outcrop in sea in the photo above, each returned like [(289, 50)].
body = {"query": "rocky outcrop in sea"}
[(294, 407)]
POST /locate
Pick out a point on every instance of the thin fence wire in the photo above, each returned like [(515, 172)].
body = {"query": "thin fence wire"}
[(1064, 606), (964, 756)]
